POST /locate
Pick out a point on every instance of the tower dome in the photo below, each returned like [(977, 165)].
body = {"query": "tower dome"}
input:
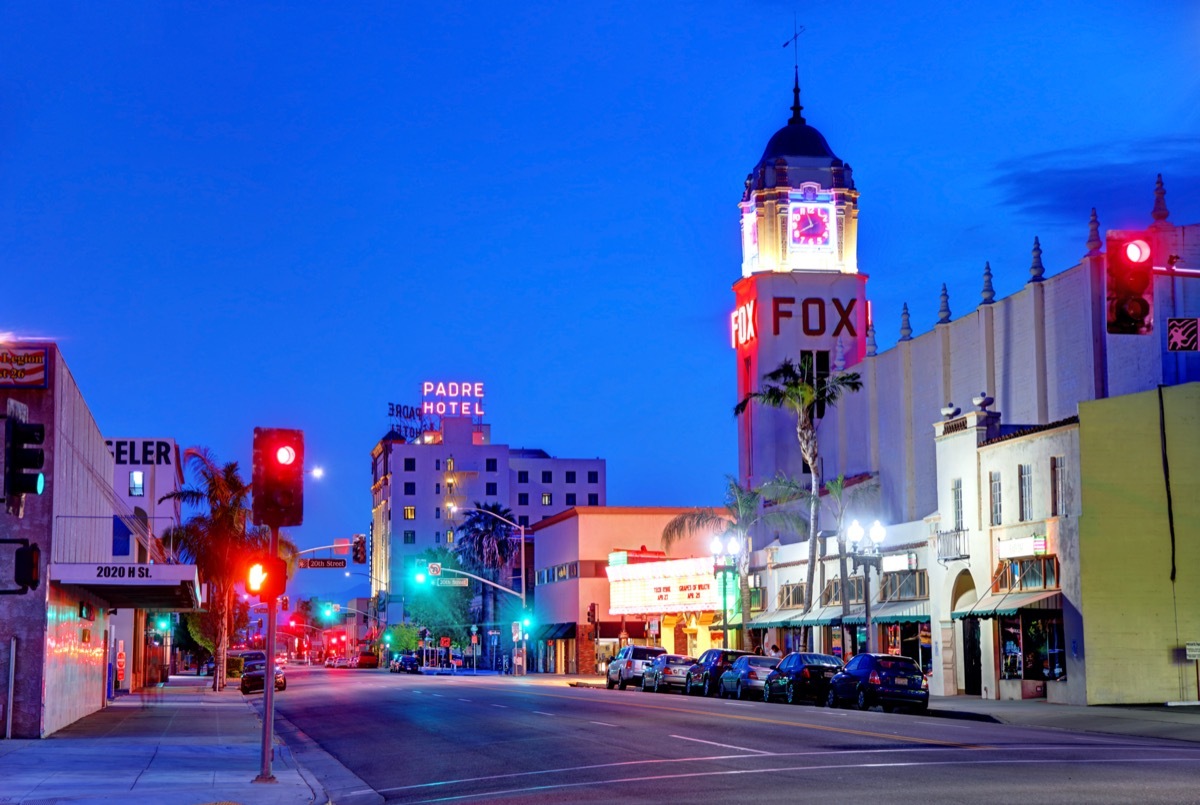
[(798, 153)]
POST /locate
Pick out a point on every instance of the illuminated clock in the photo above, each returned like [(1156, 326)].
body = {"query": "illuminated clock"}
[(810, 225)]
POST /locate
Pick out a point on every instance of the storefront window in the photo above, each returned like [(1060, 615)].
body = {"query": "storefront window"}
[(1010, 648), (1032, 646)]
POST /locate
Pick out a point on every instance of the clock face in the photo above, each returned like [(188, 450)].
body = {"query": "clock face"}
[(810, 225)]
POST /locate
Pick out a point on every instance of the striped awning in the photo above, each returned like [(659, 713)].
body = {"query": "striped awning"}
[(820, 616), (994, 604), (901, 612), (776, 617)]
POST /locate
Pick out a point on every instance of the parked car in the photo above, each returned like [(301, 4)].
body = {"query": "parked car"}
[(252, 677), (746, 677), (706, 673), (330, 661), (366, 661), (802, 676), (628, 665), (405, 664), (880, 679), (341, 662), (666, 671)]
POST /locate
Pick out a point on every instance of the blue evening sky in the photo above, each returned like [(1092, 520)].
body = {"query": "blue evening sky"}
[(241, 214)]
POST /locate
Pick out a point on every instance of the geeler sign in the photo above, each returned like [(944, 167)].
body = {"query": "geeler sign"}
[(817, 317)]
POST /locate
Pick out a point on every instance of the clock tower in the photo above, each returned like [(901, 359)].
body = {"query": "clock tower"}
[(801, 295)]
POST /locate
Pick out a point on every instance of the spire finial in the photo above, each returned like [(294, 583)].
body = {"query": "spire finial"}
[(1160, 201), (944, 308), (797, 117), (871, 340), (989, 293), (1093, 241), (1036, 270), (905, 327), (797, 109)]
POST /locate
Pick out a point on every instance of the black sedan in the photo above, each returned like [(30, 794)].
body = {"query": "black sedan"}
[(666, 671), (880, 679), (802, 676), (746, 676), (704, 676), (405, 664), (252, 677)]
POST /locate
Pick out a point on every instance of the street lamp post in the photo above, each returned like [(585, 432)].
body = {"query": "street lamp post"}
[(724, 554), (866, 555), (521, 530)]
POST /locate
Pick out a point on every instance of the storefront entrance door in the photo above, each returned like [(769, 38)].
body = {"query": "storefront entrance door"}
[(972, 663)]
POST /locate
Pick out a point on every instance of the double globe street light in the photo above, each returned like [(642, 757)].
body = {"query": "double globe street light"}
[(724, 557), (866, 555)]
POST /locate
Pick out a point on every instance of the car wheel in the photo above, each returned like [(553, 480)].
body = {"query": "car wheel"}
[(707, 686), (621, 682), (863, 702), (657, 687), (791, 693), (644, 688), (283, 685), (922, 709), (766, 692), (739, 692), (831, 700), (608, 681)]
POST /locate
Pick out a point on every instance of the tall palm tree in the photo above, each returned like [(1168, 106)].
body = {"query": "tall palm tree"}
[(219, 539), (743, 509), (799, 389), (486, 545)]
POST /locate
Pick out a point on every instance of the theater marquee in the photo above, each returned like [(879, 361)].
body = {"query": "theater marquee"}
[(647, 588)]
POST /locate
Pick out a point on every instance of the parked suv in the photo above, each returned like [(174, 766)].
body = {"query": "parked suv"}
[(704, 677), (627, 667)]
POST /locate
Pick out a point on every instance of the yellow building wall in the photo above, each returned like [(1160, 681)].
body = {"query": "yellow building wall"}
[(1135, 620)]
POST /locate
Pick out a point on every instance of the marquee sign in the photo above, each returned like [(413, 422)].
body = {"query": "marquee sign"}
[(454, 398), (680, 585)]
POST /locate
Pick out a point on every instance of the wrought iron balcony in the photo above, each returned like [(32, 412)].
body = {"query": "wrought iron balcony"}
[(953, 545)]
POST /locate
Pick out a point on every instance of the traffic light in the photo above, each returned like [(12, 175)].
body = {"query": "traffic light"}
[(23, 461), (266, 577), (283, 603), (163, 623), (27, 567), (278, 479), (592, 613), (1129, 283), (327, 612), (360, 549)]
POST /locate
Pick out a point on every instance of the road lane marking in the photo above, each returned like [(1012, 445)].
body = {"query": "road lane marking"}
[(464, 700), (541, 713), (723, 746), (438, 695), (604, 723), (501, 706)]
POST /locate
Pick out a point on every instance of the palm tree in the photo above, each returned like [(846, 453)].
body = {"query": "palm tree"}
[(486, 544), (799, 389), (220, 538), (742, 511)]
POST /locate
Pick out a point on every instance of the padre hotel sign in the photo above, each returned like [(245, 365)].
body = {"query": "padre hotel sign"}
[(439, 398), (648, 588)]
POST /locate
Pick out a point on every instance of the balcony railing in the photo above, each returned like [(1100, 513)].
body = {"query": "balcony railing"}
[(953, 545)]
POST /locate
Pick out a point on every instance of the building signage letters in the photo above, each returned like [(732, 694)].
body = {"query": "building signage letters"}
[(813, 315), (451, 399), (742, 325), (140, 451), (23, 368)]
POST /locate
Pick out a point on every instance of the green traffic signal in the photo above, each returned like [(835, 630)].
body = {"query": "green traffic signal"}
[(387, 638), (163, 623), (327, 612), (420, 578), (527, 620)]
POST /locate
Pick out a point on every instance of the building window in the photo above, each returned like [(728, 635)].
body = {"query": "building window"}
[(908, 585), (994, 481), (522, 498), (437, 463), (437, 513), (570, 476), (449, 487), (450, 465), (490, 465), (522, 476), (593, 499), (1058, 486), (410, 512), (410, 487), (450, 537), (410, 465), (1037, 573), (523, 520), (547, 499), (791, 596), (570, 498), (137, 484), (956, 494), (491, 489), (1025, 492), (437, 488), (547, 477), (819, 362), (593, 477), (410, 537)]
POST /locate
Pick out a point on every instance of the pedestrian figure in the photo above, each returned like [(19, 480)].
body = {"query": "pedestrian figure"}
[(774, 652)]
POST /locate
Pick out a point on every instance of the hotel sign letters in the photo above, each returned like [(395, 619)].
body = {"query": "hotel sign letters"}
[(454, 398), (817, 317)]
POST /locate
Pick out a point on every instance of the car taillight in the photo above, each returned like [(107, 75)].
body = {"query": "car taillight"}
[(754, 674), (628, 664), (804, 674), (874, 678), (924, 683)]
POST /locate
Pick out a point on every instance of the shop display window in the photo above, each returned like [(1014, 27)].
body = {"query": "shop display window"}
[(1031, 646)]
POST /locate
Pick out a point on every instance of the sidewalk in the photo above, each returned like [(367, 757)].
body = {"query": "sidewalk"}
[(178, 744), (1146, 721)]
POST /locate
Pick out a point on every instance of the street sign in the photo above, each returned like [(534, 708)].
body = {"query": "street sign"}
[(446, 581), (435, 569), (323, 563), (445, 642), (516, 630), (474, 639), (337, 607), (1193, 651), (494, 632)]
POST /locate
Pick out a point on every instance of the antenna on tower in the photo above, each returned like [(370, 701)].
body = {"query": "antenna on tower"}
[(797, 109)]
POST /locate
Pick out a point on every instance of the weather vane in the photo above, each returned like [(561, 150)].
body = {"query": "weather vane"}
[(795, 41)]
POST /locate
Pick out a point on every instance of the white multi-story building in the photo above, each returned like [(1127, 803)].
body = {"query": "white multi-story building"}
[(422, 481)]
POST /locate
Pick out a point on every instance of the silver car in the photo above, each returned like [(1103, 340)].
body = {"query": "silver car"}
[(666, 671), (628, 665), (747, 676)]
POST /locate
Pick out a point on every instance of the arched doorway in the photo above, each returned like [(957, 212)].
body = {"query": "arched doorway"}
[(963, 596)]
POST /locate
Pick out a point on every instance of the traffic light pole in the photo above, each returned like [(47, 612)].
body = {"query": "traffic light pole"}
[(268, 733)]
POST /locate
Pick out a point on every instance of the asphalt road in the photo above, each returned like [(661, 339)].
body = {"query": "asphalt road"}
[(534, 739)]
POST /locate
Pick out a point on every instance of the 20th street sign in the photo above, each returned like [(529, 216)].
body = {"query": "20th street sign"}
[(321, 563)]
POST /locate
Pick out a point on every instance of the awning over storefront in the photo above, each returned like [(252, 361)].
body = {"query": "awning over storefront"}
[(776, 617), (994, 604), (901, 612), (554, 631), (125, 585), (820, 616)]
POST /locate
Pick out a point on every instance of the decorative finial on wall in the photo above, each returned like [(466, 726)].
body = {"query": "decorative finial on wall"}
[(944, 308), (905, 327), (839, 356), (982, 401), (1093, 242), (989, 293), (1036, 270), (950, 410), (1160, 212), (871, 340)]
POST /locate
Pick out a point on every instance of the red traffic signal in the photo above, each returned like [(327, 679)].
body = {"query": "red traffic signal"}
[(266, 577), (360, 549), (278, 479), (27, 567), (1129, 283)]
